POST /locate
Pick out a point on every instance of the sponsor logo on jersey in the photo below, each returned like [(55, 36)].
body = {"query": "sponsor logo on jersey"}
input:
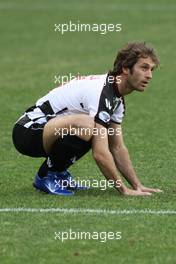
[(108, 104), (104, 116), (116, 102)]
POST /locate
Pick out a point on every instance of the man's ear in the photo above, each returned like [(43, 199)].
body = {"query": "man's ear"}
[(125, 70)]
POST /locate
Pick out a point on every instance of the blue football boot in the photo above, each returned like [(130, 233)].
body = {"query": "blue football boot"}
[(70, 182), (53, 183)]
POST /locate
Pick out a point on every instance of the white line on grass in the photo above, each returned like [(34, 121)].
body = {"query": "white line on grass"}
[(88, 211)]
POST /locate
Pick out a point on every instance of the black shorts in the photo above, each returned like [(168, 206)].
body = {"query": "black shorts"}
[(29, 141), (65, 151)]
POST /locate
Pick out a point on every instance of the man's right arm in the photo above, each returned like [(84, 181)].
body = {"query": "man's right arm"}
[(105, 161)]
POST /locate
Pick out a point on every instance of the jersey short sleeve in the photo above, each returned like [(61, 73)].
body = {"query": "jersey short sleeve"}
[(111, 107), (119, 113)]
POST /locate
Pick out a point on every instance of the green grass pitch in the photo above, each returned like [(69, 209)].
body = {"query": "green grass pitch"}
[(32, 53)]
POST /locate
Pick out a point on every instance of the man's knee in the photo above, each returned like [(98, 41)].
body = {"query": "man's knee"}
[(83, 127), (80, 125)]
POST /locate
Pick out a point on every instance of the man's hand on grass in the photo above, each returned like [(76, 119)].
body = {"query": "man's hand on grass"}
[(140, 191), (146, 189), (130, 192)]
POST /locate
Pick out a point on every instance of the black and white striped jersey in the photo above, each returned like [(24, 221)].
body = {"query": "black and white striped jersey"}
[(94, 95)]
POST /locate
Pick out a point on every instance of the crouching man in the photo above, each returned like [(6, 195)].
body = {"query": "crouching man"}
[(87, 106)]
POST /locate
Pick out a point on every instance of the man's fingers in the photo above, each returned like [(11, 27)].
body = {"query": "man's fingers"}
[(155, 190), (145, 194), (137, 193), (151, 190)]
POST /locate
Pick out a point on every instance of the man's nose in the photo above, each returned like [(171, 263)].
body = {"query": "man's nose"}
[(149, 74)]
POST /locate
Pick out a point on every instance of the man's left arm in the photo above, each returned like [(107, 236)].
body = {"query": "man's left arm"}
[(123, 161)]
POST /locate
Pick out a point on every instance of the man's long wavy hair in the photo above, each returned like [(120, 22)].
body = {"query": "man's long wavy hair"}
[(128, 56)]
